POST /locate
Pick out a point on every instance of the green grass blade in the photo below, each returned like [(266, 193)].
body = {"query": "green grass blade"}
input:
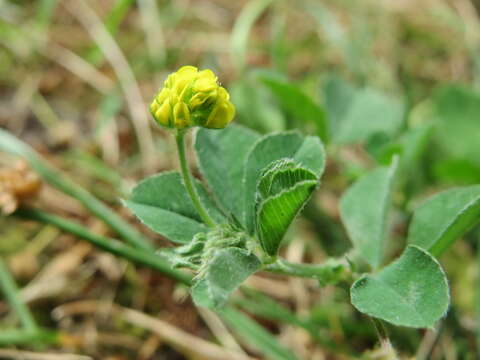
[(255, 336), (28, 338), (13, 145), (149, 259), (267, 308), (112, 22), (241, 30), (10, 290), (45, 11)]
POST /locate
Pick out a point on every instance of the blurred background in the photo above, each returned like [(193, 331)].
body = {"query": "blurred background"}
[(372, 78)]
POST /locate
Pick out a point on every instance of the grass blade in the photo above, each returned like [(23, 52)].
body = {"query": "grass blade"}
[(145, 258), (255, 336), (11, 144), (9, 288), (239, 40)]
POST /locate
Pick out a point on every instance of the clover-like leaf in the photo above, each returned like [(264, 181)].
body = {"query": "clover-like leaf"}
[(364, 209), (444, 218), (283, 190), (221, 156), (412, 291), (161, 203), (306, 152), (228, 268)]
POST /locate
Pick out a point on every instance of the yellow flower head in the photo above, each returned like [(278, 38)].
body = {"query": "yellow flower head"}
[(192, 98)]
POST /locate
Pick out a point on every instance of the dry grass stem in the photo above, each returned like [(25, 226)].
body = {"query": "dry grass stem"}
[(133, 97), (182, 341), (28, 355), (219, 329)]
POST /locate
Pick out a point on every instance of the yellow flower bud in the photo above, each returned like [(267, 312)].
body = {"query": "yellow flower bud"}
[(192, 98)]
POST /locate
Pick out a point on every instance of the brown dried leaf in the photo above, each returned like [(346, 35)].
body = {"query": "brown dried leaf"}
[(18, 184)]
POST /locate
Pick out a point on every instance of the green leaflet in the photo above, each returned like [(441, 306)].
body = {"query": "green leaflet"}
[(456, 127), (228, 268), (161, 203), (444, 218), (411, 145), (412, 291), (221, 156), (282, 192), (338, 95), (298, 104), (254, 104), (276, 213), (280, 175), (363, 210), (306, 152), (370, 112)]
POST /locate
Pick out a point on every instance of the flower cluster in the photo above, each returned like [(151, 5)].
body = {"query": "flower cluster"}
[(192, 98)]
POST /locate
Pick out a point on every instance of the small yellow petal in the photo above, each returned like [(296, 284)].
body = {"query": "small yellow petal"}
[(221, 115), (154, 107), (204, 85), (181, 115), (201, 99), (162, 95), (173, 99), (223, 94), (163, 114), (170, 80), (187, 68)]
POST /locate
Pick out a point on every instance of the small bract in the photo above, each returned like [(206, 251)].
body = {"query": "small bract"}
[(192, 98)]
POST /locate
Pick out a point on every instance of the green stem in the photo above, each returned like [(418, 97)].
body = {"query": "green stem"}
[(10, 289), (11, 144), (25, 337), (113, 246), (188, 180), (329, 272)]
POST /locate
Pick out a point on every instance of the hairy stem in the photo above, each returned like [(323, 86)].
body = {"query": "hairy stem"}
[(188, 180), (10, 289), (329, 272), (146, 258)]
